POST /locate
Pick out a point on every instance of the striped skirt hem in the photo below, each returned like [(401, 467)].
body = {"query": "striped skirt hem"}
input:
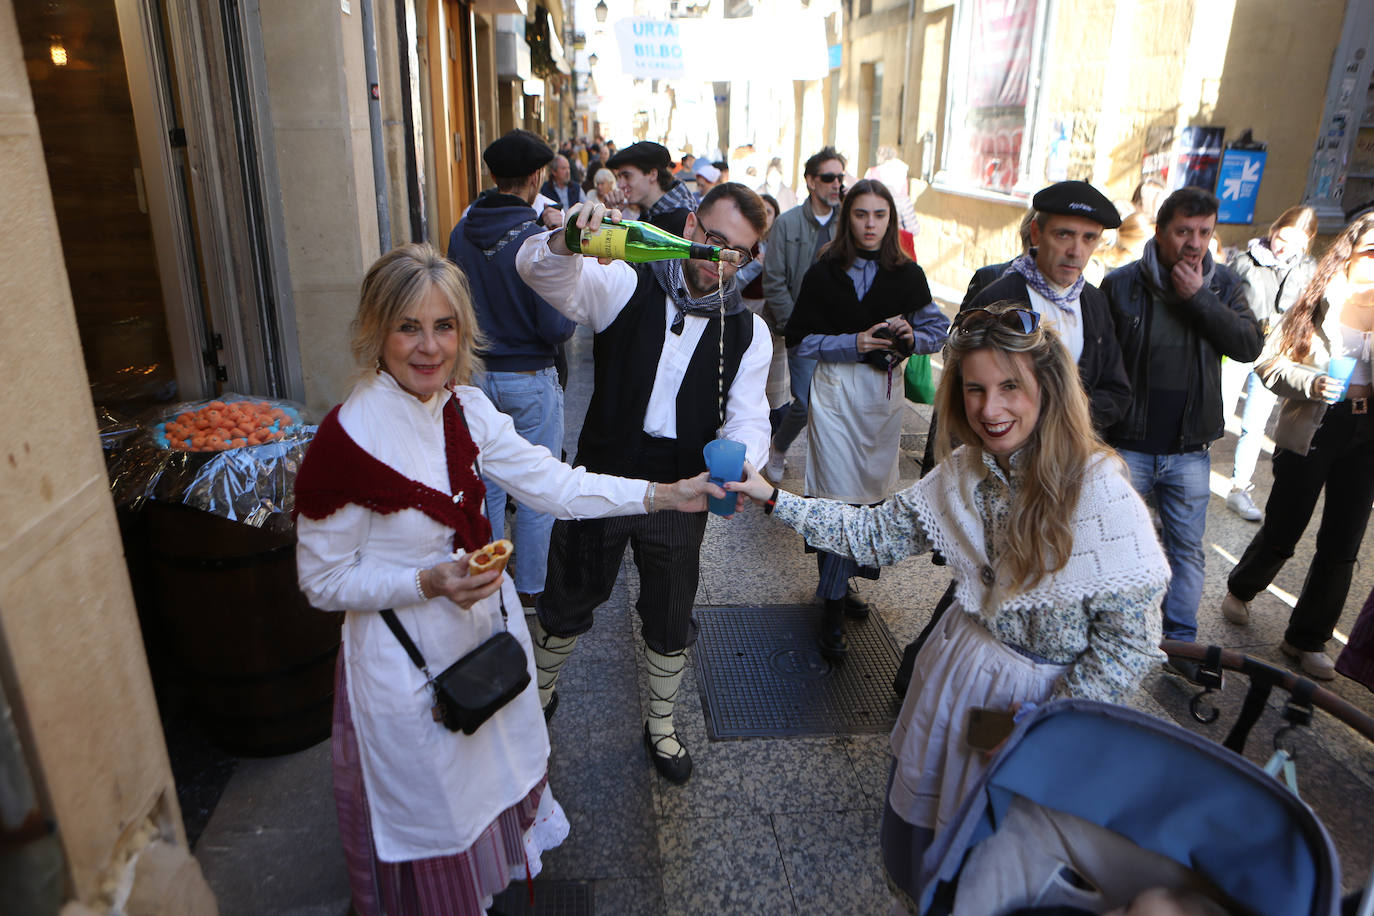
[(457, 884)]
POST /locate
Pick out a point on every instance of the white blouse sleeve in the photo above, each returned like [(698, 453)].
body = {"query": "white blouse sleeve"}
[(336, 575), (536, 477)]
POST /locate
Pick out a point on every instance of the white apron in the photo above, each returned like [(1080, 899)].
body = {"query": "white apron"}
[(854, 431)]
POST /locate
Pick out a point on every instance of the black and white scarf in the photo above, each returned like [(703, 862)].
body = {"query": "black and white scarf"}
[(669, 276)]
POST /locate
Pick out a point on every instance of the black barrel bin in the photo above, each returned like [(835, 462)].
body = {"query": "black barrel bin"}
[(257, 661)]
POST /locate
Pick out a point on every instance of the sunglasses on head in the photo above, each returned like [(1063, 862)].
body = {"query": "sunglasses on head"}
[(829, 177), (1017, 319)]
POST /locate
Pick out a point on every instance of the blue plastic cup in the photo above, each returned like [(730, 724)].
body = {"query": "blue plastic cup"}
[(1341, 368), (724, 461)]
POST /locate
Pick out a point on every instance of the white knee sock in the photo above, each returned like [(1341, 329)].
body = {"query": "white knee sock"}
[(550, 652), (665, 674)]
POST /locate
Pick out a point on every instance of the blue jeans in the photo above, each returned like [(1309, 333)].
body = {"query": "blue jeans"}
[(1179, 487), (535, 404), (793, 422)]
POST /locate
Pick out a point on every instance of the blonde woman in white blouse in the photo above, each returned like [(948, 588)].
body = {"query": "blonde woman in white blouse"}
[(390, 501)]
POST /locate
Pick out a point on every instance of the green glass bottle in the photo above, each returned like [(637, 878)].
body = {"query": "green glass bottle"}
[(639, 242)]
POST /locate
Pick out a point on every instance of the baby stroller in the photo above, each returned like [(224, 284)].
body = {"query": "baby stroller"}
[(1088, 804)]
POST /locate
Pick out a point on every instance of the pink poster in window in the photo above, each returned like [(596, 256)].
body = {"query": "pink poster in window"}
[(991, 122)]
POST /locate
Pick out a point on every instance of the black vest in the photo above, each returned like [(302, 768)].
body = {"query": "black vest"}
[(626, 357)]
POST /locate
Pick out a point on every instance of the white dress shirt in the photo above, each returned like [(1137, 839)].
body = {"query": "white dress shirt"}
[(593, 294), (1067, 322)]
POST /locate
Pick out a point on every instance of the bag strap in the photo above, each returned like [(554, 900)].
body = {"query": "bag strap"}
[(406, 642), (397, 630)]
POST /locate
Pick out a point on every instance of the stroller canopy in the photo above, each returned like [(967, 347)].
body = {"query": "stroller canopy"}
[(1162, 788)]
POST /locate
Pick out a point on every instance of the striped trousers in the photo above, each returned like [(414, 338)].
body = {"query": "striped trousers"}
[(584, 560)]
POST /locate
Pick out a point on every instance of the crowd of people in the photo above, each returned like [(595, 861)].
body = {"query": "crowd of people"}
[(1083, 384)]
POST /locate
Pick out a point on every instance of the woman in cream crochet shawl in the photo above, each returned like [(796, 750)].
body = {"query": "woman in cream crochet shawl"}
[(1059, 571)]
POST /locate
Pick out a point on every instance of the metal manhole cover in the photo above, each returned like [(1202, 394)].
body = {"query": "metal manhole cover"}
[(551, 898), (761, 674)]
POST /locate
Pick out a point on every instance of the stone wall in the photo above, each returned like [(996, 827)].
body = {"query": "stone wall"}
[(324, 160), (71, 657), (1114, 70)]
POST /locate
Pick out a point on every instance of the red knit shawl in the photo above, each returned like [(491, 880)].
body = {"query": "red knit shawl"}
[(337, 471)]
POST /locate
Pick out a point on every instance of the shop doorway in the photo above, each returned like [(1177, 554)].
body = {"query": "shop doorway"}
[(153, 120), (142, 342)]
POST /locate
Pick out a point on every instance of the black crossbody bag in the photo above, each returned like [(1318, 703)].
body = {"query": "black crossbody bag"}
[(470, 690)]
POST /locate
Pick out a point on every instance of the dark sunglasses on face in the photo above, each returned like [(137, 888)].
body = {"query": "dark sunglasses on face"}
[(1018, 320), (829, 177)]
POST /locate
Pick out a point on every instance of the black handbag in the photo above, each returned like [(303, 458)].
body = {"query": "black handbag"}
[(470, 690)]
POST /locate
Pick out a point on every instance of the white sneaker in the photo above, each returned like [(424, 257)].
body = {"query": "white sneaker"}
[(1240, 503), (777, 463), (1235, 610), (1316, 664)]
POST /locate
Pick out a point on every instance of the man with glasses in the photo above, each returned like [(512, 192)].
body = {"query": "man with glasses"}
[(663, 387), (644, 172), (794, 242)]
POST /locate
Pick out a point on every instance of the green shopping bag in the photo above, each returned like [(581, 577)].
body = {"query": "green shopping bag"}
[(920, 387)]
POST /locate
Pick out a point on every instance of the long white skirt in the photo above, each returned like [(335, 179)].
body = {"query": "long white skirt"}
[(962, 665), (855, 428)]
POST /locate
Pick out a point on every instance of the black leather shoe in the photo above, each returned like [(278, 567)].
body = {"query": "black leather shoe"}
[(676, 770), (553, 705), (831, 640), (855, 608)]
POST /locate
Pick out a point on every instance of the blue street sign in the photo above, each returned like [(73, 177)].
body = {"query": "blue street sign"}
[(1238, 182)]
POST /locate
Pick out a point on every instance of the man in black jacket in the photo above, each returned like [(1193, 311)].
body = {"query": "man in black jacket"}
[(1067, 229), (1177, 313), (560, 187)]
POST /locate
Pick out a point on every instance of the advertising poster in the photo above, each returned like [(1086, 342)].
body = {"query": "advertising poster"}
[(1238, 184), (1197, 157)]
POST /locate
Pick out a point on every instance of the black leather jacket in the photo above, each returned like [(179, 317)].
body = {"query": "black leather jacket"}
[(1221, 324)]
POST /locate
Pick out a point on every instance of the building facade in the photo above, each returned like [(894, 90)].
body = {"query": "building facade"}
[(990, 100)]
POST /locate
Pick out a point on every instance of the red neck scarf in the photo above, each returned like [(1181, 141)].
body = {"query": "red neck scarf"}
[(337, 471)]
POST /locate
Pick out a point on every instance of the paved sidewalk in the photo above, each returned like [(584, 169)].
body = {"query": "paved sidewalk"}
[(786, 825)]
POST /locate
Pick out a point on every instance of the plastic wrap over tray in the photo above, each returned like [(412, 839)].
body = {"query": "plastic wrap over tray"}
[(243, 474)]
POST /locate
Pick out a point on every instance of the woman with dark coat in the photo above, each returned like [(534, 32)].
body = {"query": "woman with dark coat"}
[(864, 307)]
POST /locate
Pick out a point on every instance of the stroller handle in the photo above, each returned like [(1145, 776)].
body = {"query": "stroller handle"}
[(1323, 699)]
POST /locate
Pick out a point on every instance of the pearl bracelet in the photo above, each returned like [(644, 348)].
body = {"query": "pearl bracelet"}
[(419, 586)]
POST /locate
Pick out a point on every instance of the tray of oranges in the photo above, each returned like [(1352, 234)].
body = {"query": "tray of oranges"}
[(224, 424)]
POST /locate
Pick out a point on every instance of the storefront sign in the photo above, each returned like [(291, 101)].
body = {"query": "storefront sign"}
[(1238, 183)]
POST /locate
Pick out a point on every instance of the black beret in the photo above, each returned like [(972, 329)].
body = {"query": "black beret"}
[(644, 155), (1077, 198), (517, 154)]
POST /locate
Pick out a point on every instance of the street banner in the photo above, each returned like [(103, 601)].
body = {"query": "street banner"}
[(1238, 183), (724, 50)]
